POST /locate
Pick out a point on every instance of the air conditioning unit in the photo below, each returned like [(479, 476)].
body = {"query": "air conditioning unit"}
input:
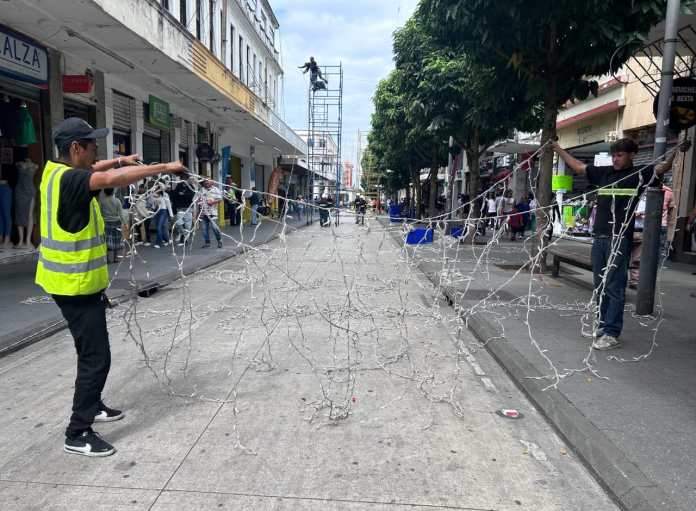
[(611, 136)]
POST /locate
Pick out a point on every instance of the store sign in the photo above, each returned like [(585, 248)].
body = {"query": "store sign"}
[(77, 84), (682, 108), (159, 113), (21, 58)]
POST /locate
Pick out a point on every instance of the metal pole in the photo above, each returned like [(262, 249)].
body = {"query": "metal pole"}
[(650, 251)]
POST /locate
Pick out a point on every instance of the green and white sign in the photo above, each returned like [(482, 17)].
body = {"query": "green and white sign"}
[(158, 113)]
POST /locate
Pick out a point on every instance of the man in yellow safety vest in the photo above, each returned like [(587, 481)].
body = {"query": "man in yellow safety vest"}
[(72, 265)]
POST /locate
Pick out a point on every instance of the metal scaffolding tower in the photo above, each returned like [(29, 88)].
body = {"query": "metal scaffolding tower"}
[(324, 133)]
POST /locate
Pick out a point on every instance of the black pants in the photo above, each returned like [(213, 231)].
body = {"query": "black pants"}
[(86, 317)]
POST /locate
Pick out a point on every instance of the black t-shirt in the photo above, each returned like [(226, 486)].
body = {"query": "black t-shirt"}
[(616, 210), (182, 196), (75, 198)]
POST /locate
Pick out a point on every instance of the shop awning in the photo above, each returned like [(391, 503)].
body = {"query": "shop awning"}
[(501, 175), (512, 147)]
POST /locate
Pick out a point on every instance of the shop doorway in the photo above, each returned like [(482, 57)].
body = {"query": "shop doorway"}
[(21, 163)]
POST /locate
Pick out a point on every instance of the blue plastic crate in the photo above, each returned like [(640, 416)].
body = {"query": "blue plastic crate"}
[(418, 236), (395, 213)]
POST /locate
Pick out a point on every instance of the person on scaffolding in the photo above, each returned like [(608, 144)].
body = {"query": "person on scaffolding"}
[(316, 79)]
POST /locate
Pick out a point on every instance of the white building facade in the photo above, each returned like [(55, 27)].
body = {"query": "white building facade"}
[(196, 80)]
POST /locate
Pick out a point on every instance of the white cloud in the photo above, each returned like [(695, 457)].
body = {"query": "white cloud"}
[(356, 33)]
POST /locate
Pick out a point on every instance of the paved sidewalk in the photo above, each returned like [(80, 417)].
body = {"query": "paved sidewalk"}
[(283, 339), (636, 428), (30, 315)]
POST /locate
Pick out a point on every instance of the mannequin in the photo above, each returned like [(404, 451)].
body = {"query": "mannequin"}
[(24, 201)]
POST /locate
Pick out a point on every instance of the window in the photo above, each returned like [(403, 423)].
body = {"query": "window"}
[(264, 21), (183, 15), (253, 70), (241, 59), (211, 17), (165, 4), (232, 37), (223, 39), (199, 12), (250, 70)]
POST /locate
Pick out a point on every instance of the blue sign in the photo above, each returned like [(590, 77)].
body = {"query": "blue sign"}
[(21, 58), (226, 153)]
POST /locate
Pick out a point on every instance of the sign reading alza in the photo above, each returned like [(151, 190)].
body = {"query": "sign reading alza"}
[(21, 58)]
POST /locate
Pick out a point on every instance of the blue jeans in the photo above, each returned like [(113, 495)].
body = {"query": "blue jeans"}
[(612, 295), (254, 214), (5, 210), (207, 224), (162, 223)]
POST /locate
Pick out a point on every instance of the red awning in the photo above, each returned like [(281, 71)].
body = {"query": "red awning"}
[(501, 175)]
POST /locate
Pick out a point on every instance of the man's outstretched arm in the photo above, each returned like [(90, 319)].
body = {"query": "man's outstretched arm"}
[(570, 160), (117, 178)]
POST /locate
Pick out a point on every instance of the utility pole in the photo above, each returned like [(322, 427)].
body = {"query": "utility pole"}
[(650, 251)]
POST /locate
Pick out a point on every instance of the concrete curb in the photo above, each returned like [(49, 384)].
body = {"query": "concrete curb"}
[(32, 334), (623, 479)]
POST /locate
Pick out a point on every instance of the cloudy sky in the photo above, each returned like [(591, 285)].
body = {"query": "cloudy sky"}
[(357, 33)]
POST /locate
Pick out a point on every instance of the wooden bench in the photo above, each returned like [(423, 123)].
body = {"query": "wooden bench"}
[(579, 254)]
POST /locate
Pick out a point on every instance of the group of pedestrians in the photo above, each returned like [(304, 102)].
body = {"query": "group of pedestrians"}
[(501, 211), (168, 208)]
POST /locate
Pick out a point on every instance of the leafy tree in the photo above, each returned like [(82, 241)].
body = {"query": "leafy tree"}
[(414, 51), (551, 46), (477, 107), (396, 143)]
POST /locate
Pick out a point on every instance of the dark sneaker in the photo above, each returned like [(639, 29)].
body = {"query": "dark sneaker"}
[(219, 244), (107, 414), (88, 443), (207, 245)]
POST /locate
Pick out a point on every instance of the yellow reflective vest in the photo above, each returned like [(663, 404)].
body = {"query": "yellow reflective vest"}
[(70, 264)]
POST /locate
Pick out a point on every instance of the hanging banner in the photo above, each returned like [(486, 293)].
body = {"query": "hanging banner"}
[(77, 84), (21, 58)]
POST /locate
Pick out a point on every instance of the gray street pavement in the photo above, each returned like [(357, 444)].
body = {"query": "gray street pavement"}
[(629, 412), (315, 372), (32, 314)]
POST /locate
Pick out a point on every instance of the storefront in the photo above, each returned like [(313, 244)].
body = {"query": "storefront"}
[(123, 124), (23, 149), (156, 131)]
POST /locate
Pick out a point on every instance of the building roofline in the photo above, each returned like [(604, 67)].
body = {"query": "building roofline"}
[(274, 20)]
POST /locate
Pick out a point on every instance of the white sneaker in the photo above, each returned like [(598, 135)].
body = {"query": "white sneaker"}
[(592, 335), (606, 342), (157, 246), (147, 243)]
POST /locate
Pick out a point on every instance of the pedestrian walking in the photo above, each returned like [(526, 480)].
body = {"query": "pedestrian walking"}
[(72, 265), (114, 220), (360, 205), (210, 197), (182, 204), (490, 210), (620, 187), (163, 214), (254, 202)]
